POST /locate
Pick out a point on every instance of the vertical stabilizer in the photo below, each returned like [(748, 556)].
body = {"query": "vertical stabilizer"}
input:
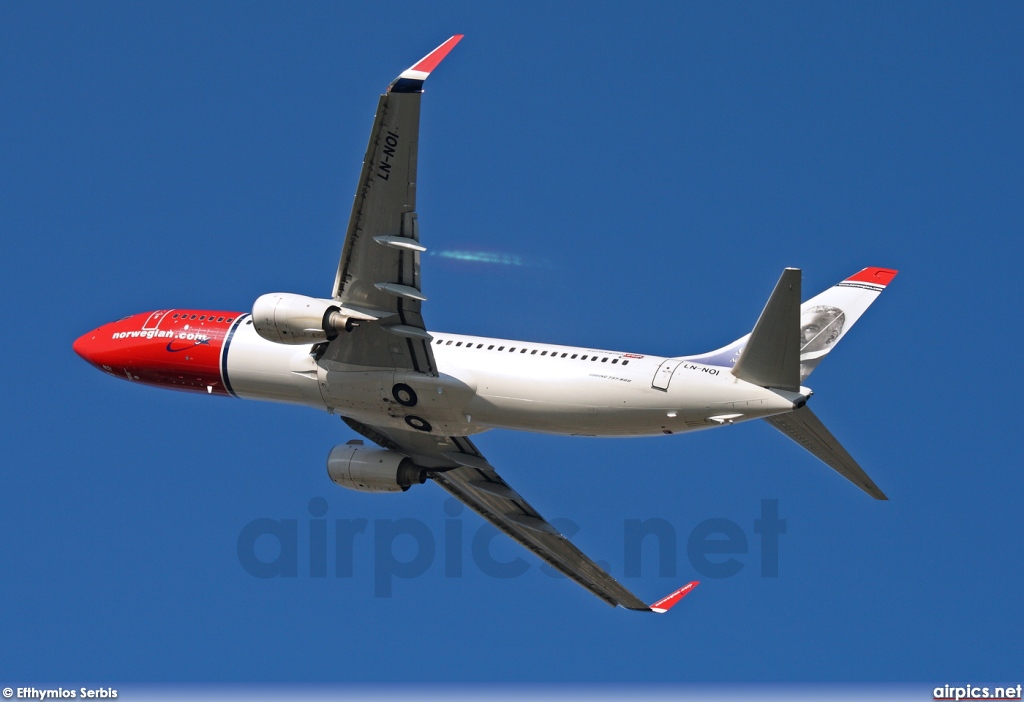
[(826, 317), (824, 320)]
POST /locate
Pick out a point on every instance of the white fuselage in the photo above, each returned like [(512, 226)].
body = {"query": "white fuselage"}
[(486, 383)]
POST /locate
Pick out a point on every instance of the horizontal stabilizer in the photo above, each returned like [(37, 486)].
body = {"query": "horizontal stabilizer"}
[(771, 357), (803, 427)]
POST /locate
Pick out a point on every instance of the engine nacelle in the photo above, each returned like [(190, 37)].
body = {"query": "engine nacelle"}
[(286, 318), (358, 467)]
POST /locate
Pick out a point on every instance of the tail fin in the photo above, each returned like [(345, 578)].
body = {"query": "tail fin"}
[(803, 427), (823, 321), (825, 318)]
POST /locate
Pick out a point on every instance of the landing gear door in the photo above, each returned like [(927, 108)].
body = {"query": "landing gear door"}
[(664, 374)]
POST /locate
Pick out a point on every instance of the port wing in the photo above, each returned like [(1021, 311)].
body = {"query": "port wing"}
[(475, 483)]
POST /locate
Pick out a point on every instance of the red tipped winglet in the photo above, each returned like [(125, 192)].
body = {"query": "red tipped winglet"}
[(875, 276), (411, 80), (666, 603)]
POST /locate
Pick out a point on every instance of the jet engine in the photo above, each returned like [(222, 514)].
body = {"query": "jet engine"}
[(358, 467), (286, 318)]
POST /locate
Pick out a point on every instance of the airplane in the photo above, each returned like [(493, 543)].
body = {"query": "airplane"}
[(366, 355)]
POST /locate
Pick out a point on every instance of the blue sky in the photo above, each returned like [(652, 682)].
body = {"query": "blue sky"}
[(663, 162)]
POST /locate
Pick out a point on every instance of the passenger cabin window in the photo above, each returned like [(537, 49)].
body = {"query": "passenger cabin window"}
[(490, 347), (193, 317), (229, 320), (625, 363)]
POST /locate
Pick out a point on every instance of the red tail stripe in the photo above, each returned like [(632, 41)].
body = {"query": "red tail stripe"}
[(878, 276)]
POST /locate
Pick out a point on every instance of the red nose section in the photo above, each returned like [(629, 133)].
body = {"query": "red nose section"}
[(96, 348), (83, 345), (176, 349)]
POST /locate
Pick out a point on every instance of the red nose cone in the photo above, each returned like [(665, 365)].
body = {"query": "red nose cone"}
[(96, 348), (84, 345)]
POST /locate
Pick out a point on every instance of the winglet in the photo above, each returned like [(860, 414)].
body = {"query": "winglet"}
[(411, 80), (666, 603)]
